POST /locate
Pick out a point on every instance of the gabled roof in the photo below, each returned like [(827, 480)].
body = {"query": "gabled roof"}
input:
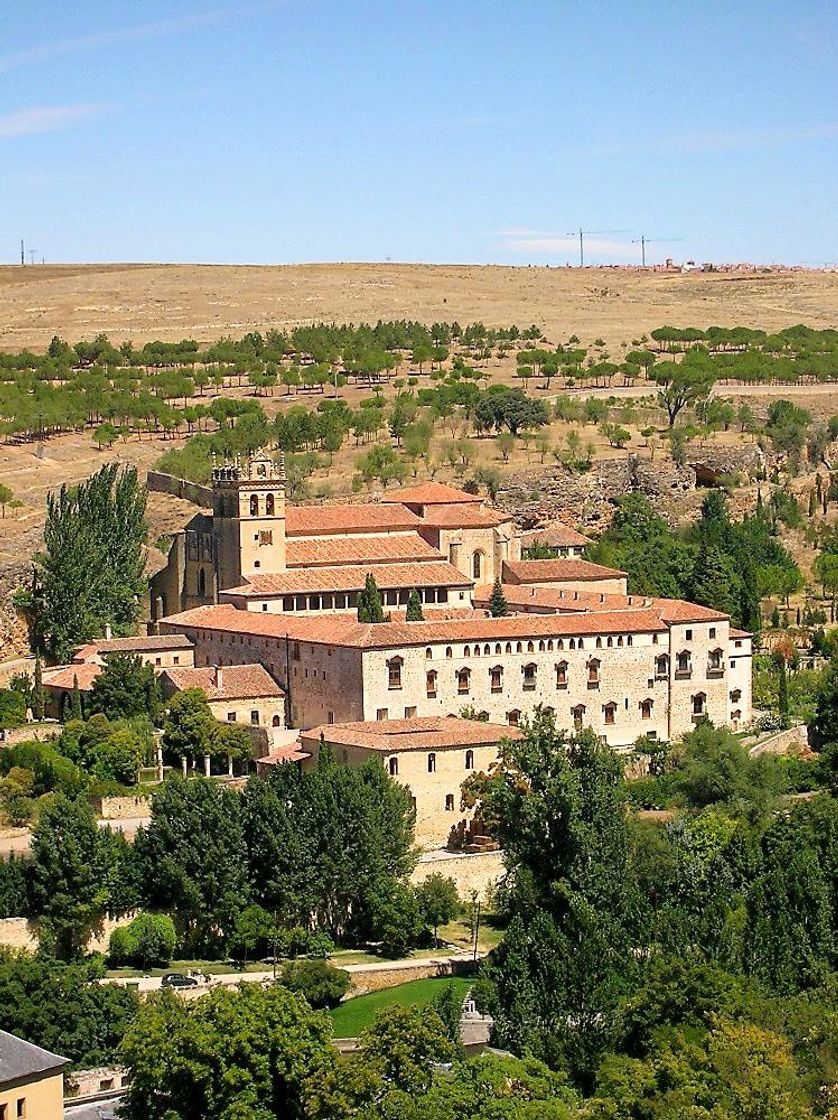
[(557, 535), (146, 643), (238, 682), (345, 630), (351, 577), (301, 521), (433, 494), (22, 1061), (463, 517), (366, 548), (679, 610), (556, 571), (66, 676), (417, 734), (530, 596)]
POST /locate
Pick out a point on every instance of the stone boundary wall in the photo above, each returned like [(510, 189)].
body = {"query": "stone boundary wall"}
[(162, 483), (378, 978), (121, 808), (471, 871), (21, 933)]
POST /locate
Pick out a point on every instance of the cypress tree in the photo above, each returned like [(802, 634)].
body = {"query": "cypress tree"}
[(38, 691), (75, 702), (414, 607), (498, 604), (783, 692), (369, 602)]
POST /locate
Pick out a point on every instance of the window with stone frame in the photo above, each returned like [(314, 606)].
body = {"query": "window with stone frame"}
[(393, 766), (496, 678), (609, 712), (593, 672), (469, 760), (432, 763), (430, 683), (463, 681), (394, 672), (699, 704), (561, 674), (530, 672), (646, 708), (578, 714)]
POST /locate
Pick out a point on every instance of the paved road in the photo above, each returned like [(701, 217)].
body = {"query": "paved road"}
[(19, 843)]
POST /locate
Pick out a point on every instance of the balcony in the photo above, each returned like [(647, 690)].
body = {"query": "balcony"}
[(715, 672), (593, 685)]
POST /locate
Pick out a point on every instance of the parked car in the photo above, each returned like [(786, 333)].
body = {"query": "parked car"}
[(178, 980)]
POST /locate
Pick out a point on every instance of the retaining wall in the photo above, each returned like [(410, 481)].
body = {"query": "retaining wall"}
[(21, 933), (475, 871), (162, 483)]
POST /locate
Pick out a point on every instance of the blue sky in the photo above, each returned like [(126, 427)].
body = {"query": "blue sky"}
[(433, 130)]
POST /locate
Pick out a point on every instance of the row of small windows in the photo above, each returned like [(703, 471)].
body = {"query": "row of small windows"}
[(393, 763), (270, 505), (540, 647), (349, 600)]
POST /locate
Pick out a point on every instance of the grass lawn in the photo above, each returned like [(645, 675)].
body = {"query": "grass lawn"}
[(459, 933), (355, 1015)]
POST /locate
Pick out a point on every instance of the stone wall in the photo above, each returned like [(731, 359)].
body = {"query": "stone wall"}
[(162, 483), (20, 933), (477, 871), (121, 808)]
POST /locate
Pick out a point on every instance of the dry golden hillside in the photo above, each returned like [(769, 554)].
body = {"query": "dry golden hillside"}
[(205, 301)]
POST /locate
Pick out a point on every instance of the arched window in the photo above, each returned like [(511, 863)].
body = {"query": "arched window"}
[(429, 653), (254, 505), (477, 564), (513, 718), (449, 651), (432, 763), (683, 664), (269, 505), (394, 672), (487, 649), (610, 642), (469, 760), (571, 644), (467, 651), (599, 643), (530, 676), (519, 648), (699, 704), (580, 644), (530, 647), (496, 678), (498, 647), (449, 802), (561, 675), (509, 647), (578, 714), (629, 640), (276, 721), (646, 708), (430, 683), (715, 661), (393, 766), (662, 666), (609, 712), (620, 640), (593, 672), (541, 646), (550, 645), (202, 581), (463, 680), (560, 643)]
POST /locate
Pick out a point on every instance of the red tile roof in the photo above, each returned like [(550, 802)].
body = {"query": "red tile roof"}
[(279, 755), (557, 535), (417, 734), (526, 596), (463, 517), (147, 643), (345, 630), (238, 682), (433, 494), (301, 521), (679, 610), (64, 676), (360, 549), (436, 573), (740, 633), (556, 571)]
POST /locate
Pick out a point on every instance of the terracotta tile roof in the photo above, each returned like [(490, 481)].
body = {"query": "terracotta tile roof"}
[(463, 517), (345, 630), (418, 734), (238, 682), (302, 521), (433, 494), (556, 571), (360, 549), (63, 676), (439, 614), (525, 596), (148, 643), (557, 535), (740, 633), (436, 573), (679, 610), (280, 755)]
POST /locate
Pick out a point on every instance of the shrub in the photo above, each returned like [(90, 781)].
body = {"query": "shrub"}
[(321, 983), (147, 941)]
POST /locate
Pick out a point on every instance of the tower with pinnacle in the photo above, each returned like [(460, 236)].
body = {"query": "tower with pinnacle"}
[(249, 518)]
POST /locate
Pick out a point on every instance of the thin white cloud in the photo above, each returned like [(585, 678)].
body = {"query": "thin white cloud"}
[(158, 29), (48, 118)]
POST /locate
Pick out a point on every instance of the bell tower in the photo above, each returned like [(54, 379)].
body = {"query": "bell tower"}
[(249, 518)]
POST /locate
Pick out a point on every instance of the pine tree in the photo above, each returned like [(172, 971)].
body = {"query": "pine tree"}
[(414, 607), (369, 602), (497, 603), (38, 691)]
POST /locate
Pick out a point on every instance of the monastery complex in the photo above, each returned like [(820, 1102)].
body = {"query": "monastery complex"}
[(258, 607)]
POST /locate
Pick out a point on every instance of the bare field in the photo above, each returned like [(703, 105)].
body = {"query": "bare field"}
[(141, 302)]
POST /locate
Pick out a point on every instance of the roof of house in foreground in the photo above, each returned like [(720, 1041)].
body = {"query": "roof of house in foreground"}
[(141, 643), (417, 734), (238, 682), (22, 1061)]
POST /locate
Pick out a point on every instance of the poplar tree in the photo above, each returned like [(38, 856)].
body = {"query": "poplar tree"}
[(38, 691)]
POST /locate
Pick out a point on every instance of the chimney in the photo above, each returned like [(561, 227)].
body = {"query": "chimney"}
[(219, 678), (107, 631)]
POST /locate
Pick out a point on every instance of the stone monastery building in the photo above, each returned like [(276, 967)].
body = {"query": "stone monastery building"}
[(261, 582)]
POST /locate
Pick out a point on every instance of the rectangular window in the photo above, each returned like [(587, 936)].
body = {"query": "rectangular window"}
[(689, 635), (21, 1106), (4, 1112), (382, 713), (409, 713), (176, 660), (231, 717), (712, 631), (330, 717), (254, 718)]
